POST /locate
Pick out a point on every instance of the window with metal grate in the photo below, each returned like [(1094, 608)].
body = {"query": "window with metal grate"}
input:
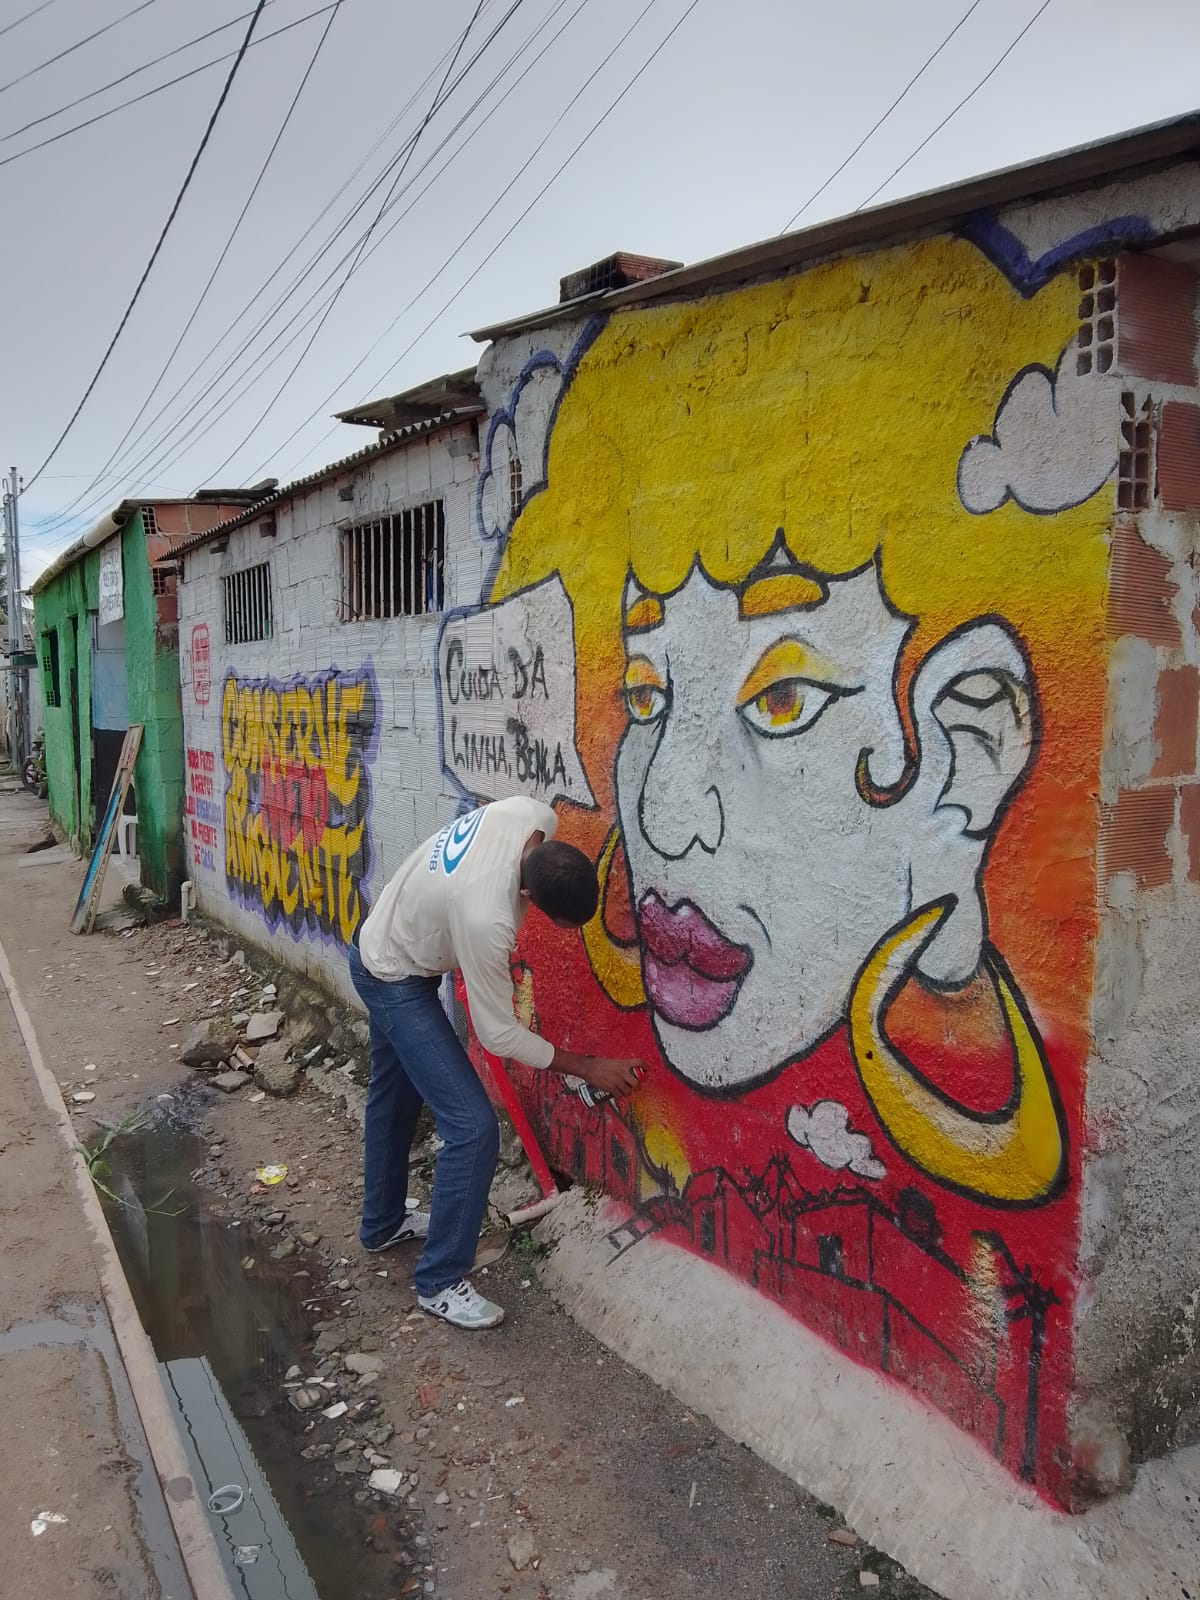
[(149, 521), (516, 484), (394, 567), (248, 604)]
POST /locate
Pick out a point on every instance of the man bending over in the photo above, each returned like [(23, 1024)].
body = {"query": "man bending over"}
[(458, 901)]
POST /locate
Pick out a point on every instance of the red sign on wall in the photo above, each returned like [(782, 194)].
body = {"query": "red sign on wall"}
[(201, 671)]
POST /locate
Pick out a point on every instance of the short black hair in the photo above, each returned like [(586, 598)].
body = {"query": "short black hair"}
[(561, 881)]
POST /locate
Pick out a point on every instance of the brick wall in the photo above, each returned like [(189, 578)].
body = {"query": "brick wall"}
[(1136, 1373), (1149, 823)]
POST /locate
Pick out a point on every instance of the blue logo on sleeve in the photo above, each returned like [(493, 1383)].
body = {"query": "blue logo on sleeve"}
[(451, 845)]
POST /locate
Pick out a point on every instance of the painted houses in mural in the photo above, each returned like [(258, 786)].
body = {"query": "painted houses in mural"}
[(106, 637), (838, 594), (309, 626)]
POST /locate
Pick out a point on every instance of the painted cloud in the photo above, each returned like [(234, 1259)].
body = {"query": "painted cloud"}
[(825, 1130), (1052, 443)]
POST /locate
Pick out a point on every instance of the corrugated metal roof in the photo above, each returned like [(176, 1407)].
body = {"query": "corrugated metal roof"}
[(931, 211), (452, 391), (298, 485)]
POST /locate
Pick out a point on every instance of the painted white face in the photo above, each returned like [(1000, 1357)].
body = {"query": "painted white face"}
[(761, 878)]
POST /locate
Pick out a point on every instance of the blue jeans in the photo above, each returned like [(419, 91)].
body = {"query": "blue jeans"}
[(416, 1057)]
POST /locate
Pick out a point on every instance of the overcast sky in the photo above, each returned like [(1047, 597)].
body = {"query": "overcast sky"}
[(746, 110)]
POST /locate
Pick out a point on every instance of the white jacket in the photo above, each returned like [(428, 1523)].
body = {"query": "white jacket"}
[(456, 902)]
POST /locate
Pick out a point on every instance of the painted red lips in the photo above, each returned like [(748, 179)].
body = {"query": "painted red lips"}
[(691, 970)]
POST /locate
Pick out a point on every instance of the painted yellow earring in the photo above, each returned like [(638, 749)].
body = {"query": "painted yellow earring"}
[(615, 962), (1014, 1157)]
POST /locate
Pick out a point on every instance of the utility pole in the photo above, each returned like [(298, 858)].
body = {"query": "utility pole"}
[(18, 678)]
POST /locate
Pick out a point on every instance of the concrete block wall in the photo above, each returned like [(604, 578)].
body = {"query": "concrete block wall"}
[(367, 764)]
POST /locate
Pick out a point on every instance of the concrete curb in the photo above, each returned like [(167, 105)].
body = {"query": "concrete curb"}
[(185, 1506), (902, 1476)]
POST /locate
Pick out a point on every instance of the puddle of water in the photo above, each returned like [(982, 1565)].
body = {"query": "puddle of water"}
[(46, 1331), (225, 1334)]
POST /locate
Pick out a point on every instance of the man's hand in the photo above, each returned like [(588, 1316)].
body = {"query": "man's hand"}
[(612, 1076)]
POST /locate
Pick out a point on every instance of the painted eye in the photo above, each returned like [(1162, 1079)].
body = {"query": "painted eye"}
[(645, 702), (785, 707)]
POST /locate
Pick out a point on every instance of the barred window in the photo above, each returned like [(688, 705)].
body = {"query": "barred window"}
[(394, 567), (516, 484), (248, 604)]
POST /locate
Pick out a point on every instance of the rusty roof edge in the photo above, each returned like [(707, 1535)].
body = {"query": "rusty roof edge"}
[(297, 486), (1039, 179), (362, 415)]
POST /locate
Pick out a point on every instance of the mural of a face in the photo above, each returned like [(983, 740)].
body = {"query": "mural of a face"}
[(763, 735), (835, 554)]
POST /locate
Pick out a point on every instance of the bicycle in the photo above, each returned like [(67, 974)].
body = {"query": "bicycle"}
[(33, 772)]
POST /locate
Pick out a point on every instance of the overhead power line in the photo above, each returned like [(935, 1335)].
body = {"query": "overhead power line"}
[(9, 26), (199, 424), (499, 199), (233, 232), (434, 105), (504, 238), (335, 236), (134, 72), (78, 45), (154, 254), (990, 73), (133, 100), (875, 127)]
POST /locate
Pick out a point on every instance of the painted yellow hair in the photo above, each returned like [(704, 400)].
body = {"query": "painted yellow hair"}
[(834, 404)]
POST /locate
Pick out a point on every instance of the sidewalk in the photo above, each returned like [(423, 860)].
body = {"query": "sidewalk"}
[(71, 1442)]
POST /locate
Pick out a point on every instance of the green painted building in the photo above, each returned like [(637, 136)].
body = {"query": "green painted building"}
[(107, 638)]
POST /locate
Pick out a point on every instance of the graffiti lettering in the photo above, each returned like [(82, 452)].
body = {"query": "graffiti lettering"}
[(478, 752), (201, 665), (484, 682), (508, 703), (528, 679), (535, 765), (297, 798), (202, 811), (479, 683)]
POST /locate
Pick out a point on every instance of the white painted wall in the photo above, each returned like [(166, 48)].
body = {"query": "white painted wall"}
[(409, 797)]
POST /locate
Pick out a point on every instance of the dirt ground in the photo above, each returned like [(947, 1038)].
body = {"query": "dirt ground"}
[(537, 1464), (70, 1441)]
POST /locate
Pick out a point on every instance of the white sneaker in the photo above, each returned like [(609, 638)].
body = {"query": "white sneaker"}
[(462, 1305), (414, 1226)]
